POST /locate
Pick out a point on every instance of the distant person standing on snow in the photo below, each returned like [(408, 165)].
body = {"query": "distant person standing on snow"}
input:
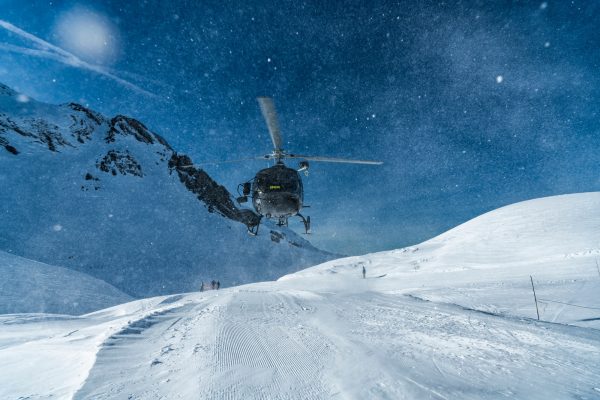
[(212, 284), (364, 272), (218, 285)]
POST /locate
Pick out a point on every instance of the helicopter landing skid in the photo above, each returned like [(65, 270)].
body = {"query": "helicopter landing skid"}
[(253, 229), (306, 222)]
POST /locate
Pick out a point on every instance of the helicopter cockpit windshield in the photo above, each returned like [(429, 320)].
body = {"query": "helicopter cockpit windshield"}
[(278, 179)]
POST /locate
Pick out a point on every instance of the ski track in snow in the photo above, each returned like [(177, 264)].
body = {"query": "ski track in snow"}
[(278, 345), (268, 352)]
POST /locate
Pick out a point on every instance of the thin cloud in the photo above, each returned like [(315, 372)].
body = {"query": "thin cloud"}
[(51, 52)]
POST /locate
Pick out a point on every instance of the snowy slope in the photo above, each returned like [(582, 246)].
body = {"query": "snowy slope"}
[(540, 231), (555, 239), (28, 286), (327, 333), (107, 197)]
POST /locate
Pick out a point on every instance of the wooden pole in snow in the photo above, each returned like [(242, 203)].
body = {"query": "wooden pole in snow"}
[(535, 298)]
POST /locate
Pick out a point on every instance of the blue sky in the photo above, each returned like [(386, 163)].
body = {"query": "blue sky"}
[(471, 105)]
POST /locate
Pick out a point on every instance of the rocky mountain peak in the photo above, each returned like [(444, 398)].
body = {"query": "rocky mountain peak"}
[(92, 115)]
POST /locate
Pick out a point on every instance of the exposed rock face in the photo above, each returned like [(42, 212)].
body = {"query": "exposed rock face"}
[(83, 128), (92, 115), (120, 162), (83, 122), (4, 143), (215, 196), (6, 126), (43, 131), (124, 126)]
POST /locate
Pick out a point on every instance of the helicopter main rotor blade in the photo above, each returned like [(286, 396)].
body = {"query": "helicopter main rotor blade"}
[(335, 160), (226, 161), (270, 115)]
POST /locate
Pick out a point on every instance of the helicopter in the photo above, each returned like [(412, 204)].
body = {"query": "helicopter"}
[(277, 192)]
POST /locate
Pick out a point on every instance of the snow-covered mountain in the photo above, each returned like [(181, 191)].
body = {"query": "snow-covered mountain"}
[(107, 197), (28, 286), (451, 318)]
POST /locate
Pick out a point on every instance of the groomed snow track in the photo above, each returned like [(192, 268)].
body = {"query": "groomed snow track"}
[(287, 344)]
